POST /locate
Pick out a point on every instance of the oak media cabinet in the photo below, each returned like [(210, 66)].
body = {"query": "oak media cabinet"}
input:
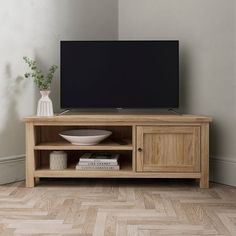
[(157, 146)]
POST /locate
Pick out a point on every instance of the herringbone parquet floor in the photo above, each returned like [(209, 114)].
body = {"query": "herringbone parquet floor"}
[(117, 207)]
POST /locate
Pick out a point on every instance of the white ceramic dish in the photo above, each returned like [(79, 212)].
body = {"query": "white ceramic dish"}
[(85, 136)]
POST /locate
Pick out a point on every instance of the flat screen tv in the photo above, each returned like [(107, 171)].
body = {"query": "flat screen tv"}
[(119, 74)]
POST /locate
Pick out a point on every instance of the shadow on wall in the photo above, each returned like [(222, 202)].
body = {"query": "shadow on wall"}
[(18, 98), (11, 121), (184, 80), (185, 98), (185, 102)]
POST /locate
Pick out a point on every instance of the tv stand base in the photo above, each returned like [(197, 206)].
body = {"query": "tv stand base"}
[(155, 146)]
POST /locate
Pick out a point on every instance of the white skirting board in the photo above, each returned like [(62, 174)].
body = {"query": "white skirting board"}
[(12, 169), (223, 170)]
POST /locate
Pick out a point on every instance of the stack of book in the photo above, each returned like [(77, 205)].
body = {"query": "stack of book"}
[(98, 161)]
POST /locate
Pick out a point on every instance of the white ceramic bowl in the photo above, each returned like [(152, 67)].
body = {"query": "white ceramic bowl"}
[(85, 136)]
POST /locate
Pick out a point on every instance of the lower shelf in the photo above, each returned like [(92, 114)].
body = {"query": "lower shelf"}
[(123, 173)]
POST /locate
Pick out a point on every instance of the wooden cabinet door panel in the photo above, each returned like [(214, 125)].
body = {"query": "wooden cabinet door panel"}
[(168, 148)]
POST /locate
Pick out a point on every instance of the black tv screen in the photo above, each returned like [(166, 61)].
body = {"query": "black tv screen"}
[(119, 74)]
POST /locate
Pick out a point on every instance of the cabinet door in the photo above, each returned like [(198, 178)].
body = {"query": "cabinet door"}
[(168, 148)]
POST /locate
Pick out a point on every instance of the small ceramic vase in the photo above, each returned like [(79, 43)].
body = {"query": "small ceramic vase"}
[(45, 107), (58, 160)]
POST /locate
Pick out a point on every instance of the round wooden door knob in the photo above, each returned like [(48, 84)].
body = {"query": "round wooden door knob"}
[(140, 149)]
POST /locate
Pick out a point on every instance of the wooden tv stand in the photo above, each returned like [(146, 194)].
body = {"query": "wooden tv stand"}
[(157, 146)]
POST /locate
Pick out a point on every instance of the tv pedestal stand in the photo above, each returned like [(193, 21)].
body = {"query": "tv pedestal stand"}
[(156, 146), (174, 111)]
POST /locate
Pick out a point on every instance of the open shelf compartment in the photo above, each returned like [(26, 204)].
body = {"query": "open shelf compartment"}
[(73, 156), (48, 138)]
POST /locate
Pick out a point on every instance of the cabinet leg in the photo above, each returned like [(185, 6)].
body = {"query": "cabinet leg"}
[(37, 180), (30, 155), (204, 182), (29, 182)]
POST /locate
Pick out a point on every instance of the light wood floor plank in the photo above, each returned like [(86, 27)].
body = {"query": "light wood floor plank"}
[(117, 208)]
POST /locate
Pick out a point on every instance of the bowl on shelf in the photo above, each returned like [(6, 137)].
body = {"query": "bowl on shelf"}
[(85, 137)]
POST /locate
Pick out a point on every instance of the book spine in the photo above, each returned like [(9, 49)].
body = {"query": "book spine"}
[(87, 163), (97, 167), (98, 160)]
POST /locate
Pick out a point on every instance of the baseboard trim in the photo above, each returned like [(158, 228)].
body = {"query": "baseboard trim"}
[(223, 170), (12, 169)]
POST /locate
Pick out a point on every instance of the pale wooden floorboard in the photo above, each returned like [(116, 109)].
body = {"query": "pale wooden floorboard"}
[(117, 207)]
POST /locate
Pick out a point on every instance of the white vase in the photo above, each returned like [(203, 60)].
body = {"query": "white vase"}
[(45, 107)]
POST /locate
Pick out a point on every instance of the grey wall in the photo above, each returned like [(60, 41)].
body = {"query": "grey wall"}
[(206, 30), (34, 28)]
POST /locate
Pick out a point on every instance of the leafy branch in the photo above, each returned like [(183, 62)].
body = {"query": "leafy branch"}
[(43, 82)]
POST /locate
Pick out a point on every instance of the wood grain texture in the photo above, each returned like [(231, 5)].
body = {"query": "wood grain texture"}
[(120, 117), (134, 141), (169, 149), (30, 157), (204, 181), (125, 172), (117, 208), (174, 146), (62, 145)]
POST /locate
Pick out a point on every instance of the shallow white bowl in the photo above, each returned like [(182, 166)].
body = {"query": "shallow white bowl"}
[(85, 136)]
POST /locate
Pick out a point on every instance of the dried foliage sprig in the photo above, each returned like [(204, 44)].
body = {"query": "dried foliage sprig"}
[(43, 82)]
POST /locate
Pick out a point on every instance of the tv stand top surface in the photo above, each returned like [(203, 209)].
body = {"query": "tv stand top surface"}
[(126, 117)]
